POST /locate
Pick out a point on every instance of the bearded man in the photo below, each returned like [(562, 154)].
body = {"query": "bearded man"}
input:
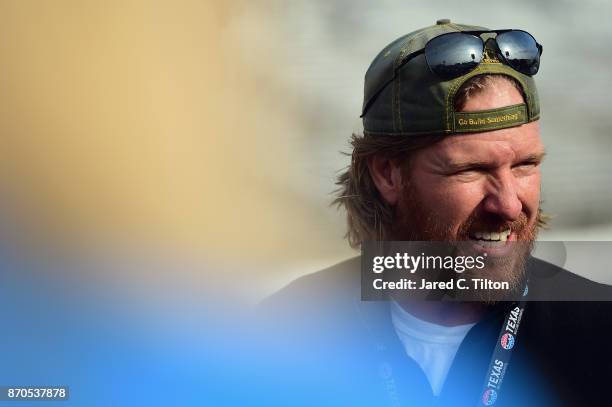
[(451, 152)]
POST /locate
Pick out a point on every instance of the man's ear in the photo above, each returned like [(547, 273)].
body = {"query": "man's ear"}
[(387, 176)]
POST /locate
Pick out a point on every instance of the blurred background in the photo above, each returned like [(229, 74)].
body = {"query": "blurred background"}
[(199, 141)]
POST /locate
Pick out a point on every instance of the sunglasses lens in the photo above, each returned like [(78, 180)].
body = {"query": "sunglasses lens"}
[(452, 55), (520, 51)]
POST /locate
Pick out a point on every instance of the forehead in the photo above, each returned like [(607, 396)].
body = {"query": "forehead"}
[(498, 145), (513, 142)]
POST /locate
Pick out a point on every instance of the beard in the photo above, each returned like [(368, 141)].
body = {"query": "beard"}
[(417, 221)]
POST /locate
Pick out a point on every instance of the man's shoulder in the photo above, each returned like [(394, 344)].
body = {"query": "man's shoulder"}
[(318, 307), (339, 281), (342, 280), (554, 283)]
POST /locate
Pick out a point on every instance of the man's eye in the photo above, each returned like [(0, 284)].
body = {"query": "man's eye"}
[(470, 170), (467, 172), (526, 167), (527, 164)]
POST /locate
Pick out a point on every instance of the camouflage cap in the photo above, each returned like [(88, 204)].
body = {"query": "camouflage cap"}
[(406, 98)]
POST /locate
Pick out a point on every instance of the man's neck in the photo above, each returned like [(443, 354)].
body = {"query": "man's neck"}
[(445, 313)]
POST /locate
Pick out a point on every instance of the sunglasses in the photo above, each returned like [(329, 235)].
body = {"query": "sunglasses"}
[(455, 54)]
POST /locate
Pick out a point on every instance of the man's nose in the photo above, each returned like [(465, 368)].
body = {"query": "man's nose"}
[(502, 196)]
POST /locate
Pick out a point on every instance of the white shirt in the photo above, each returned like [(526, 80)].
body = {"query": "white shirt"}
[(430, 345)]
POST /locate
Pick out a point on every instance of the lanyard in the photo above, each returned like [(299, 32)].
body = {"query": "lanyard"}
[(502, 353)]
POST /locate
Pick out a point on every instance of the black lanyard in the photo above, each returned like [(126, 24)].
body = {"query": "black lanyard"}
[(502, 353)]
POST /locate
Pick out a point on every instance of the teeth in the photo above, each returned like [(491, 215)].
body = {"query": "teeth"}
[(503, 236), (493, 237)]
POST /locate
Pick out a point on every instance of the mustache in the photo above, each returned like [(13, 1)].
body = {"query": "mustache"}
[(479, 222)]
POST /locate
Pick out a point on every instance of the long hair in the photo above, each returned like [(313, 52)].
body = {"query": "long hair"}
[(369, 216)]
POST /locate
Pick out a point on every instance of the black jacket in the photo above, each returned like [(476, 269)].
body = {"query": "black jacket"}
[(330, 348)]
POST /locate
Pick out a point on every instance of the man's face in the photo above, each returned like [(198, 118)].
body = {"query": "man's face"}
[(481, 188)]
